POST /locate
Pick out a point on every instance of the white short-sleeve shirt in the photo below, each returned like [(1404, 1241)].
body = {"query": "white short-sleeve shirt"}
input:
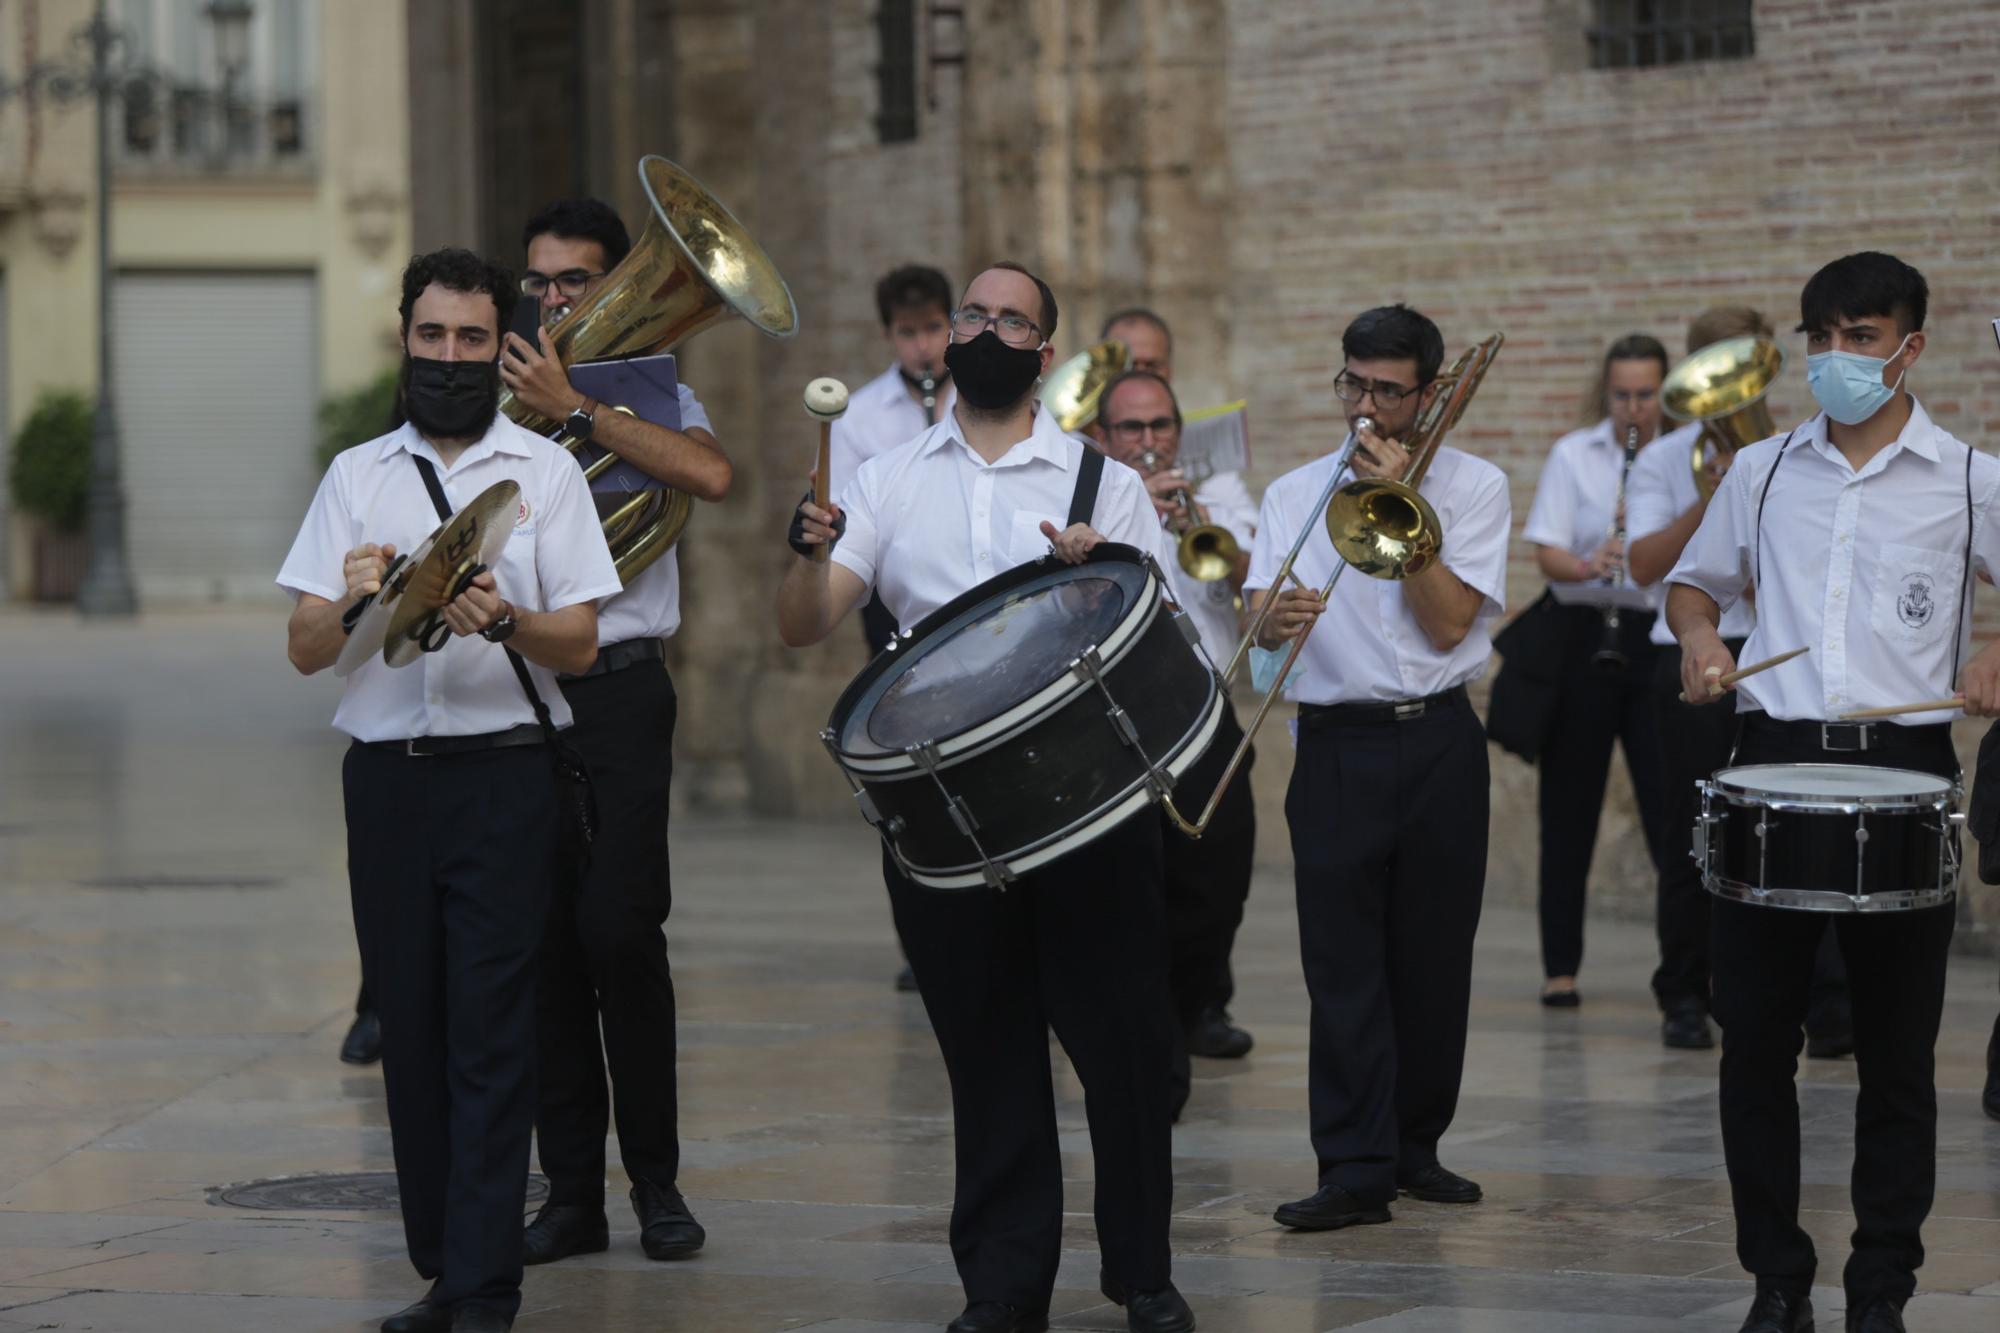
[(1368, 646), (880, 415), (1867, 569), (1661, 489), (930, 518), (650, 606), (1213, 605), (1577, 495), (556, 558)]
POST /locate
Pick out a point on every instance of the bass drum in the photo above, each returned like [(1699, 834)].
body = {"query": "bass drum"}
[(1026, 718)]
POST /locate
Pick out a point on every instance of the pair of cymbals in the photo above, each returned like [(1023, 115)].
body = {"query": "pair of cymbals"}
[(403, 620)]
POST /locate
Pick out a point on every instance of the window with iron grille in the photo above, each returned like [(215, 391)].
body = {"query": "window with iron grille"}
[(896, 72), (1634, 34)]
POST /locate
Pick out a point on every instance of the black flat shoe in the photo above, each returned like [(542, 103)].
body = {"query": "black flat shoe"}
[(1990, 1100), (1876, 1317), (562, 1229), (667, 1230), (1329, 1210), (906, 980), (993, 1317), (1161, 1311), (1562, 999), (1434, 1184), (422, 1317), (480, 1319), (1830, 1045), (1685, 1028), (1215, 1036), (363, 1045), (1777, 1311)]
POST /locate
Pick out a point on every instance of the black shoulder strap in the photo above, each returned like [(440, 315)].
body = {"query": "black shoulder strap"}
[(433, 485), (1964, 578), (1757, 556), (1083, 503)]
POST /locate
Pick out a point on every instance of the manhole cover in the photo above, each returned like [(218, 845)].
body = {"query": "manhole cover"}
[(340, 1192), (180, 882)]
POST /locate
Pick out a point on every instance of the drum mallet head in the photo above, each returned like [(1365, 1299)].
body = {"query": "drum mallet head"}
[(826, 398)]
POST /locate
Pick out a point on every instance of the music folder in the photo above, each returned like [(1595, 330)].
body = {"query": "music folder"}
[(646, 386)]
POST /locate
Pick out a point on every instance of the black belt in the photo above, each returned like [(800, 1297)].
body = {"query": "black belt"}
[(1401, 710), (528, 733), (1847, 737), (617, 656)]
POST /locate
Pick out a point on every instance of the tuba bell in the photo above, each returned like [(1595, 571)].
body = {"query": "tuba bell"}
[(1723, 386), (1072, 390), (692, 267)]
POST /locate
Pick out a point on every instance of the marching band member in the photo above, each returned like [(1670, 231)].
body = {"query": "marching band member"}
[(604, 960), (1388, 801), (450, 796), (1208, 878), (1607, 676), (1146, 337), (1078, 945), (1861, 529)]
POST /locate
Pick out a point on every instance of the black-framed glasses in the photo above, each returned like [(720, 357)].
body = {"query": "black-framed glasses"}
[(1350, 388), (1133, 431), (570, 283), (1014, 330)]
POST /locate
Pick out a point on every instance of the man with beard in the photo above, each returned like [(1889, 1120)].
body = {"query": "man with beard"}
[(449, 786), (1389, 800), (1078, 945), (604, 961)]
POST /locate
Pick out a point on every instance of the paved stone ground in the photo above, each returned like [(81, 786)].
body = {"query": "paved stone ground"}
[(159, 1039)]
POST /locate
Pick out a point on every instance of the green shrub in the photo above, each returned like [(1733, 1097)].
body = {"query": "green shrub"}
[(50, 475), (356, 416)]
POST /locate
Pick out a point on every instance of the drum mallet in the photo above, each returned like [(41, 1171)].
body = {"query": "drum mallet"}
[(1765, 665), (826, 401)]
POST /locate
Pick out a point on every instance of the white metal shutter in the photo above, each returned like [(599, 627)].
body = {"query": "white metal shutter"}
[(217, 388)]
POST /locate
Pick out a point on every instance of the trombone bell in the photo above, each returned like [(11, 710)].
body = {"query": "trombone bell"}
[(1385, 529)]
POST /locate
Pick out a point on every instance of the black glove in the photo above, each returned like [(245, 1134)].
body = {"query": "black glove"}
[(795, 536)]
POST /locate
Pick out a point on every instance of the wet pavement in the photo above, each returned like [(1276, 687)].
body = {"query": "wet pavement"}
[(177, 969)]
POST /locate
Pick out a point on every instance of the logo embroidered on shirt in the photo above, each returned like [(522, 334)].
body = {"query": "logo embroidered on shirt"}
[(1916, 605), (521, 518)]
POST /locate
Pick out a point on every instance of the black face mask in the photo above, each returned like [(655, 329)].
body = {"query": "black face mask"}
[(450, 400), (990, 375)]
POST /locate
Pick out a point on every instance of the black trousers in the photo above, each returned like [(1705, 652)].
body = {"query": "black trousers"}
[(449, 860), (1388, 824), (1763, 960), (1694, 743), (1597, 709), (1078, 946), (604, 955)]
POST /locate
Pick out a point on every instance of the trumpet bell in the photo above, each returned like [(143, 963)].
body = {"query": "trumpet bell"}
[(1072, 390), (1383, 528), (1208, 553)]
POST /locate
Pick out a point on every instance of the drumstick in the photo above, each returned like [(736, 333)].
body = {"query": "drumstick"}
[(826, 400), (1724, 682), (1893, 710)]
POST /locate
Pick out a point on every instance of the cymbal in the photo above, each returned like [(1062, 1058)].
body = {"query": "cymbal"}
[(463, 546), (371, 627)]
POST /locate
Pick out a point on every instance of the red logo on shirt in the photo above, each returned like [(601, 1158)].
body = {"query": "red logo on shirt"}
[(521, 517)]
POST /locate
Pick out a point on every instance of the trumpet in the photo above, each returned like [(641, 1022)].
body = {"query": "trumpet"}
[(1610, 655), (1206, 551), (1383, 528)]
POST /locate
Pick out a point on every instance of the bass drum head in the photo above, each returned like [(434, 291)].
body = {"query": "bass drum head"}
[(1832, 783), (988, 657)]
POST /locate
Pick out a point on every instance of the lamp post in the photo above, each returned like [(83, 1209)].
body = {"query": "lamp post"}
[(231, 22)]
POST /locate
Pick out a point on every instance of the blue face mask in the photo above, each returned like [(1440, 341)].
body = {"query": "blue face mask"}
[(1849, 386)]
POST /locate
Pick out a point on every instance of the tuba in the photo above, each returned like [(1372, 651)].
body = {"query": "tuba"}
[(1723, 387), (1072, 390), (692, 267)]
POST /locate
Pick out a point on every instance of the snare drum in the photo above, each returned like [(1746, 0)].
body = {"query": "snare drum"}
[(1026, 718), (1829, 837)]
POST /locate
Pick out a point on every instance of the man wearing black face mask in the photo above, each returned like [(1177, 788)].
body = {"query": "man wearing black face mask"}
[(1078, 945), (449, 787)]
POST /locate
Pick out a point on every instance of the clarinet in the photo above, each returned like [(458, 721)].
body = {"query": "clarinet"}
[(927, 386), (1610, 655)]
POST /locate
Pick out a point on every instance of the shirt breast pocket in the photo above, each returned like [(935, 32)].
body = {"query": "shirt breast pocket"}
[(1027, 541), (1916, 593)]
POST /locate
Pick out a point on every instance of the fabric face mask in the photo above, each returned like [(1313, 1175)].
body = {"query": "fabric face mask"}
[(989, 374), (1848, 385), (451, 399)]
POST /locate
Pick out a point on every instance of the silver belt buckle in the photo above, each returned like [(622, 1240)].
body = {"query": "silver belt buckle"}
[(1859, 732), (410, 748), (1404, 712)]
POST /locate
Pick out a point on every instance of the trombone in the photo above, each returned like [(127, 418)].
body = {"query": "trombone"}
[(1385, 529)]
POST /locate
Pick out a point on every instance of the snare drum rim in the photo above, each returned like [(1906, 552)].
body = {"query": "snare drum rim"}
[(1830, 901), (1772, 799)]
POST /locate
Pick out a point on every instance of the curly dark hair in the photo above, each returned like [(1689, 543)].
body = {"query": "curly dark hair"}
[(460, 270)]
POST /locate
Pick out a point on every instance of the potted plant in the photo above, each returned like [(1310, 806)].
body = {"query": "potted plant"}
[(50, 481)]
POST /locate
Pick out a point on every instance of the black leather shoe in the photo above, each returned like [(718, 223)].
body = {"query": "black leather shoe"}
[(906, 980), (1161, 1311), (1215, 1036), (1329, 1210), (562, 1229), (1778, 1312), (1685, 1027), (993, 1317), (667, 1230), (364, 1040), (1876, 1317), (1434, 1184), (1830, 1044), (480, 1319), (423, 1317), (1991, 1100)]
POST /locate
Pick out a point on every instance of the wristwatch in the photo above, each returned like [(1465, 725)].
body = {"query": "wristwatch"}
[(502, 629), (582, 421)]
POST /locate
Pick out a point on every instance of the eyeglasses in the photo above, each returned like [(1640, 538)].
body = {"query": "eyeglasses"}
[(1350, 389), (570, 284), (1133, 431), (1013, 330)]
